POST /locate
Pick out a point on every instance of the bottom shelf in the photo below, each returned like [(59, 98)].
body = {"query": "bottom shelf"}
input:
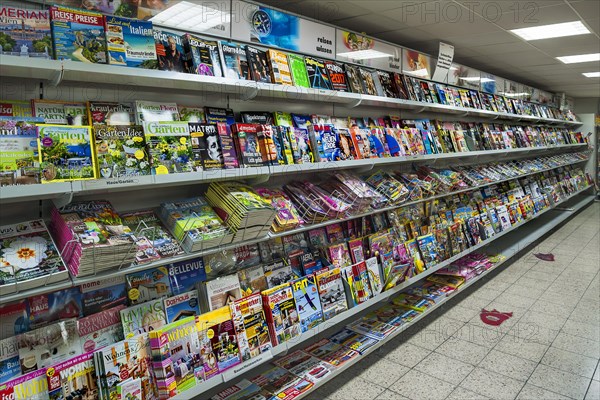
[(509, 245)]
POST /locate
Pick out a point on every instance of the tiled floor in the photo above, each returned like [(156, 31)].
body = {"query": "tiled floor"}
[(549, 349)]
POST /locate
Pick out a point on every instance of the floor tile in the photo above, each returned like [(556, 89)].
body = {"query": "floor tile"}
[(355, 389), (551, 308), (552, 321), (530, 392), (593, 392), (533, 283), (379, 371), (576, 344), (389, 395), (464, 351), (429, 339), (530, 332), (524, 291), (444, 368), (582, 329), (461, 393), (517, 313), (418, 386), (515, 300), (597, 373), (475, 303), (483, 336), (461, 313), (406, 354), (491, 384), (508, 365), (517, 347), (570, 362), (560, 382)]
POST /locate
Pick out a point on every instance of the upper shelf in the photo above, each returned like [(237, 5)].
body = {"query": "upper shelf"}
[(56, 72), (20, 193)]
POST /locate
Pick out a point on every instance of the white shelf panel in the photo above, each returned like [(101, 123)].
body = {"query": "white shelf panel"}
[(12, 194), (72, 71)]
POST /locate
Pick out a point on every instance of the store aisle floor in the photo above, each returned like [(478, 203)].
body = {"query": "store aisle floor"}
[(548, 349)]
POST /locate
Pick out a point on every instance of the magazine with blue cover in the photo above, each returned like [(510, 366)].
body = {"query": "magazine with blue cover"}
[(308, 303), (130, 42), (182, 306), (184, 275)]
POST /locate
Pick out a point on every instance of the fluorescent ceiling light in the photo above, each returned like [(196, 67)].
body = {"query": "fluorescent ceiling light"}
[(592, 74), (514, 94), (580, 58), (484, 80), (552, 31), (364, 54), (419, 72), (470, 78), (192, 17)]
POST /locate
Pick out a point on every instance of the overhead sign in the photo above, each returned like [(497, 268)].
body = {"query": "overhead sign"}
[(416, 64), (263, 25), (356, 48), (444, 62)]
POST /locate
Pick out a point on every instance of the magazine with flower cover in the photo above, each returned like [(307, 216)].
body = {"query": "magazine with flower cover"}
[(143, 318), (19, 163), (169, 146), (28, 257), (120, 151)]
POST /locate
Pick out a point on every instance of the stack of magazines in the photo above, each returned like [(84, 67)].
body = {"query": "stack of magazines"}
[(195, 224), (246, 213), (92, 238)]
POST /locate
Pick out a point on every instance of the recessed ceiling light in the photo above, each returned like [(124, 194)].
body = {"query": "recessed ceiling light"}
[(364, 54), (552, 31), (580, 58), (592, 74)]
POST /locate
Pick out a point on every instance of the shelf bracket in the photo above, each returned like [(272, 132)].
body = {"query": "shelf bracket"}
[(63, 200), (465, 114), (249, 94), (357, 103), (258, 180), (495, 117), (419, 111), (57, 77)]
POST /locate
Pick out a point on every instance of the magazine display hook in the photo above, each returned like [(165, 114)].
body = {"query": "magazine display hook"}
[(358, 102), (57, 77)]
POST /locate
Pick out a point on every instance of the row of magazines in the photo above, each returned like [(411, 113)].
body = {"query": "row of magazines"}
[(88, 36)]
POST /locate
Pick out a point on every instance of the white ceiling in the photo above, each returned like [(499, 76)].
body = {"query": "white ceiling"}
[(478, 29)]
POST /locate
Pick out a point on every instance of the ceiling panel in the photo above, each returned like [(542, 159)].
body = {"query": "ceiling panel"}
[(484, 39), (581, 44), (537, 16), (587, 7), (492, 8), (503, 48)]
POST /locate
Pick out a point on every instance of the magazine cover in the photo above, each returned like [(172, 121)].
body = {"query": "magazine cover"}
[(246, 140), (191, 113), (282, 384), (54, 306), (280, 69), (182, 306), (185, 275), (251, 326), (44, 347), (152, 111), (368, 81), (130, 390), (169, 147), (120, 362), (182, 344), (298, 70), (308, 304), (331, 293), (354, 79), (100, 329), (147, 285), (353, 340), (214, 115), (259, 65), (73, 378), (19, 163), (252, 280), (317, 73), (10, 367), (130, 42), (337, 76), (120, 151), (206, 146), (65, 153), (152, 237), (169, 50), (330, 352), (305, 150), (16, 108), (26, 32), (110, 113), (60, 112), (201, 56), (31, 386), (41, 261), (78, 35), (235, 61), (305, 366), (281, 313), (218, 341), (103, 294), (143, 318), (386, 80), (220, 292)]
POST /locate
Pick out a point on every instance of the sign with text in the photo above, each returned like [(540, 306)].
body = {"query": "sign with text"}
[(444, 62), (369, 52), (263, 25), (416, 64)]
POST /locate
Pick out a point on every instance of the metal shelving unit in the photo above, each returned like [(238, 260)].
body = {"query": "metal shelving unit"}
[(16, 294), (55, 72), (530, 231)]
